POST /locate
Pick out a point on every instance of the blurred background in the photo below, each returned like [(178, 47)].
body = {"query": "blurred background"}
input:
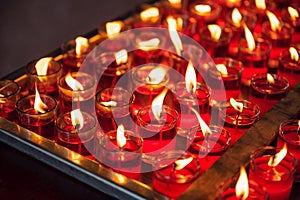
[(33, 28)]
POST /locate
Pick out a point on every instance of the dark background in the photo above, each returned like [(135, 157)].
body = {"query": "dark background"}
[(32, 28)]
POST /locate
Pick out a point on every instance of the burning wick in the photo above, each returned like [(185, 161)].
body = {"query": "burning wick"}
[(270, 80), (239, 108), (180, 164), (275, 160), (77, 119), (298, 130)]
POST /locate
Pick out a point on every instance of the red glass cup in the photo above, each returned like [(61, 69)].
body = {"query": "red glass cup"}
[(169, 181), (277, 180), (289, 68), (266, 94), (141, 20), (289, 134), (40, 123), (259, 12), (125, 160), (186, 24), (46, 84), (80, 140), (113, 107), (72, 99), (9, 95), (293, 21)]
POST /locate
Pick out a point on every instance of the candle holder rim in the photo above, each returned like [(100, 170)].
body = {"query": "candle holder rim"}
[(245, 102), (10, 82), (62, 78), (267, 27), (217, 8), (234, 64), (33, 63), (141, 82), (202, 86), (245, 13), (224, 38), (68, 48), (282, 134), (286, 54), (258, 40)]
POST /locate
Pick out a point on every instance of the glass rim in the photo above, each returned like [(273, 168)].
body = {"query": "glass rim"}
[(282, 134), (32, 64), (93, 85), (18, 89), (216, 8), (276, 78)]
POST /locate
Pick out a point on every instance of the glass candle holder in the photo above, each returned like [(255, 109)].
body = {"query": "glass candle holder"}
[(294, 21), (186, 24), (277, 180), (158, 135), (208, 147), (170, 181), (9, 95), (185, 100), (236, 122), (150, 16), (113, 108), (219, 47), (80, 140), (226, 190), (125, 160), (46, 84), (231, 77), (260, 12), (40, 123), (289, 134), (82, 98), (255, 61), (266, 94), (289, 68)]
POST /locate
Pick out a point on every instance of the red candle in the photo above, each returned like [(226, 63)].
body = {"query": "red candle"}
[(38, 113), (185, 23), (291, 16), (44, 72), (121, 151), (77, 90), (274, 169), (76, 131), (149, 17), (266, 90), (9, 95), (174, 172), (113, 108), (289, 134)]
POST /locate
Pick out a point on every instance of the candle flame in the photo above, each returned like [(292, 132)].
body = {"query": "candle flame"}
[(157, 104), (293, 13), (190, 78), (113, 28), (81, 44), (294, 54), (149, 44), (222, 69), (149, 13), (172, 27), (298, 124), (174, 1), (203, 9), (236, 17), (275, 160), (77, 119), (39, 105), (236, 105), (274, 21), (270, 79), (260, 4), (109, 103), (215, 31), (249, 38), (180, 164), (121, 56), (205, 129), (121, 139), (42, 66), (242, 185), (156, 75), (73, 83)]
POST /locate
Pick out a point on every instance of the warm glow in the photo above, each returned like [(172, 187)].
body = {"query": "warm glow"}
[(294, 54), (242, 185), (215, 31), (236, 105), (149, 13), (222, 69), (156, 75), (205, 129), (293, 13), (298, 124), (81, 44), (275, 160), (42, 66), (157, 104), (180, 164), (77, 119), (260, 4), (121, 139), (190, 78), (39, 105), (172, 27), (270, 79), (113, 28), (175, 1), (109, 103), (121, 56), (274, 21), (73, 83), (203, 9), (149, 44), (236, 17), (249, 38)]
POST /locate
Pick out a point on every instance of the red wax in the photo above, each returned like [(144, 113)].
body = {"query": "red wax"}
[(142, 57), (8, 112), (67, 106)]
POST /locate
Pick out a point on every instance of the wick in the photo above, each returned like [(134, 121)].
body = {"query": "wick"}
[(237, 120), (77, 127), (298, 131)]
